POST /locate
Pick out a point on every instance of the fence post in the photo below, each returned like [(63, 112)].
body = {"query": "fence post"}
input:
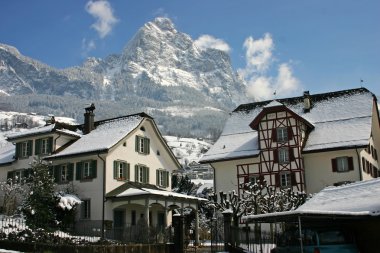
[(227, 218), (179, 237)]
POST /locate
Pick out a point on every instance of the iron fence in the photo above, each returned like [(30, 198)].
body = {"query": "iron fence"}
[(12, 228), (253, 239)]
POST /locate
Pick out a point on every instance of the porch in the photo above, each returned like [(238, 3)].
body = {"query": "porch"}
[(143, 213)]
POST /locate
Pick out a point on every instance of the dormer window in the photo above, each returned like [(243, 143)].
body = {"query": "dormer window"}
[(24, 149), (44, 146)]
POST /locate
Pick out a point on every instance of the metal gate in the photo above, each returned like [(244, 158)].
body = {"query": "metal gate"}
[(217, 233)]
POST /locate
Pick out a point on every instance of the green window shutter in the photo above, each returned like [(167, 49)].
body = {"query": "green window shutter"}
[(137, 141), (79, 166), (93, 169), (70, 171), (127, 171), (166, 178), (50, 145), (115, 169), (18, 150), (37, 147), (157, 177), (146, 180), (30, 147), (57, 172), (146, 146), (136, 173)]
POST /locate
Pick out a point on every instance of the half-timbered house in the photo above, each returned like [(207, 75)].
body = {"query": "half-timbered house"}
[(305, 142)]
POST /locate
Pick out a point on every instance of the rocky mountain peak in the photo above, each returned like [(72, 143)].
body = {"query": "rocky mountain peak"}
[(164, 24)]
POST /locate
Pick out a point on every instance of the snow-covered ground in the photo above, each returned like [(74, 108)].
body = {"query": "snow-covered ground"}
[(187, 150)]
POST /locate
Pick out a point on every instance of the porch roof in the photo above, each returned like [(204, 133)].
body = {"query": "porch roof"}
[(132, 189), (353, 201)]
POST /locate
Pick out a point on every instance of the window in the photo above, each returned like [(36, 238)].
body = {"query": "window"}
[(86, 170), (162, 178), (24, 149), (43, 146), (86, 209), (285, 179), (62, 173), (142, 145), (18, 176), (141, 174), (342, 164), (120, 170), (283, 155), (282, 134)]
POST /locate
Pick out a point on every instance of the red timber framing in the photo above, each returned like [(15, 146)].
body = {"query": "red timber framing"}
[(267, 165)]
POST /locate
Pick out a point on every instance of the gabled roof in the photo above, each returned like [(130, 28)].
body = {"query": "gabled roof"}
[(341, 120), (130, 189), (275, 106), (55, 127), (106, 134)]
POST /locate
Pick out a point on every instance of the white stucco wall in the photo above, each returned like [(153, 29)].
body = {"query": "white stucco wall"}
[(318, 169)]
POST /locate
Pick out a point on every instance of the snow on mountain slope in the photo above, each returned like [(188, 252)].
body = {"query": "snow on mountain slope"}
[(158, 63)]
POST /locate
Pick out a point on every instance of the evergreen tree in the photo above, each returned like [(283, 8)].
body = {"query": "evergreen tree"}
[(40, 205)]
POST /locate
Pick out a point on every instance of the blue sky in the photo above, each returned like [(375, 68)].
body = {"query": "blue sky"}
[(283, 46)]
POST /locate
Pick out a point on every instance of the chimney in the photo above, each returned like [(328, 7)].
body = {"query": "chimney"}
[(306, 101), (89, 119)]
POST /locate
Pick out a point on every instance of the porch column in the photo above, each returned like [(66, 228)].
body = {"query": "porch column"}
[(196, 227), (166, 214), (147, 211)]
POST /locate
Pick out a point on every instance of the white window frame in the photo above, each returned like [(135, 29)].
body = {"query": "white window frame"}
[(141, 145), (86, 169), (44, 146), (283, 155), (282, 134), (142, 172), (24, 149), (285, 179), (161, 178), (64, 173)]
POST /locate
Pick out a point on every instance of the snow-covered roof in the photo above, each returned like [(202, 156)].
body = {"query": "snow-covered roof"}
[(335, 117), (105, 136), (130, 189), (7, 153), (356, 199), (58, 127), (33, 131)]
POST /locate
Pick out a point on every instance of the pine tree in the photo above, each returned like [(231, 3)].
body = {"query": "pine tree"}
[(39, 206)]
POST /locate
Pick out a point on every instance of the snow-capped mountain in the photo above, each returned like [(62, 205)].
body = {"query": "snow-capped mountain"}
[(158, 63)]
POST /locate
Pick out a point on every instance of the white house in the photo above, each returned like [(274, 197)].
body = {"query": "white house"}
[(306, 142), (120, 168)]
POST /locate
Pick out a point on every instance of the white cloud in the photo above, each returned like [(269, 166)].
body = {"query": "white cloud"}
[(259, 60), (258, 54), (87, 46), (103, 13), (208, 41), (261, 87)]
